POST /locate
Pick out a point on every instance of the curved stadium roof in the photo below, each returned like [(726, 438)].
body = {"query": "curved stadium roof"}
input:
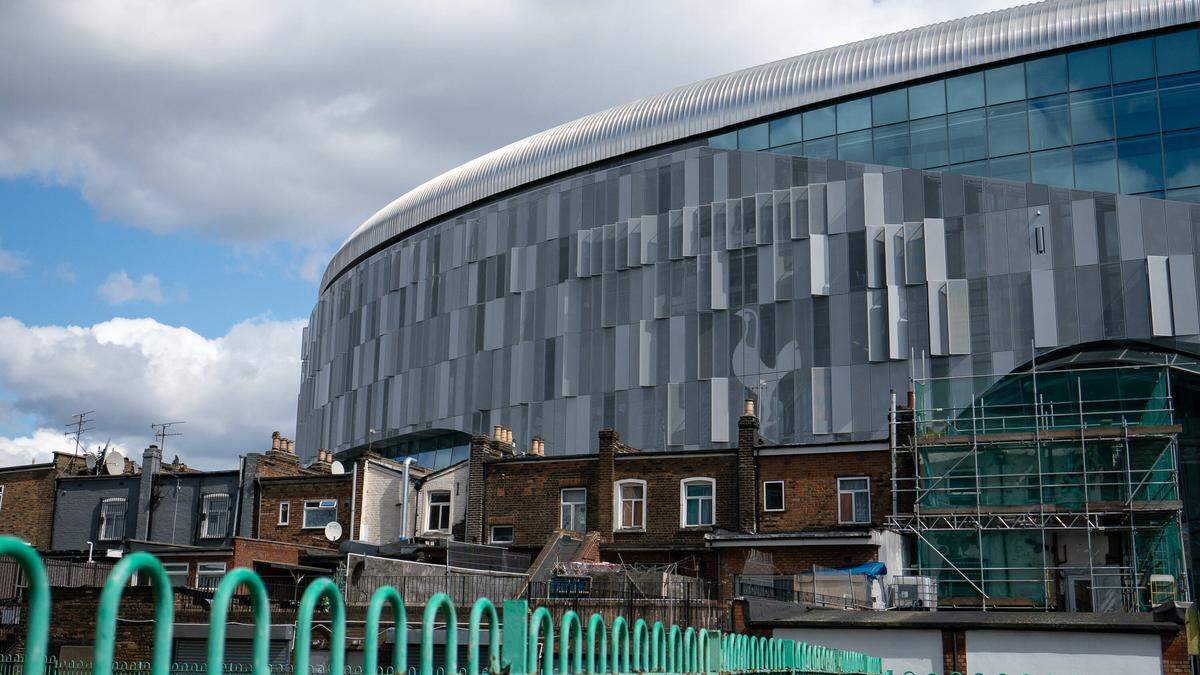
[(771, 88)]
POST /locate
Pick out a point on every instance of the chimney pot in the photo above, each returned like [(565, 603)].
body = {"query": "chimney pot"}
[(748, 409), (275, 440)]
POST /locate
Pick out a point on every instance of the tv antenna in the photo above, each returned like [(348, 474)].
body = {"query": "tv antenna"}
[(162, 431), (80, 424)]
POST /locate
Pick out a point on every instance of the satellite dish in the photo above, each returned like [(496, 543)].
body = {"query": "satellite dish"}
[(90, 460), (333, 531), (114, 463), (337, 468)]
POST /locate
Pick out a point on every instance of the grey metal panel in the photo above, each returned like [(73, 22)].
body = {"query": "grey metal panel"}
[(1160, 295), (1045, 316), (1083, 223), (1183, 294)]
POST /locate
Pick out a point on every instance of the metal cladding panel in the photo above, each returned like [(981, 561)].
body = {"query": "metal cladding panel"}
[(771, 88)]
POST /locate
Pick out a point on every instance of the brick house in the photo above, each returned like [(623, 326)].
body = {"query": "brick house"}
[(27, 497)]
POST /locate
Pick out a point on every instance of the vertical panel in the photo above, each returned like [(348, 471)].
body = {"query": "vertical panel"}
[(958, 317), (935, 249), (939, 334), (1083, 225), (821, 400), (897, 316), (691, 231), (719, 410), (720, 280), (1160, 295), (873, 199), (1045, 316), (841, 399), (876, 251), (914, 253), (877, 333), (818, 264), (1182, 269), (894, 254), (783, 215), (800, 226)]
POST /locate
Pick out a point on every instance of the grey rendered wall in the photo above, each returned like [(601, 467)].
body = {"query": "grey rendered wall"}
[(77, 510), (176, 513)]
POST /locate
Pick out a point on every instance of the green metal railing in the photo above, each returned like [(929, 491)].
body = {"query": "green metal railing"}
[(516, 637)]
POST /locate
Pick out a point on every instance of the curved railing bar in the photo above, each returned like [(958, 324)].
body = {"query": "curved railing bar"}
[(570, 618), (37, 622), (382, 597), (321, 587), (482, 606), (428, 622), (540, 616), (260, 605), (596, 626), (110, 602)]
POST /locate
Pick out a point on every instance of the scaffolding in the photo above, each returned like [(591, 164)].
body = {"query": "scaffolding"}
[(1054, 490)]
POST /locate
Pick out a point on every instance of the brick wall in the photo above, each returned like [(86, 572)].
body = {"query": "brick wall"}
[(1175, 659), (810, 487), (27, 507), (663, 475), (296, 491), (525, 494)]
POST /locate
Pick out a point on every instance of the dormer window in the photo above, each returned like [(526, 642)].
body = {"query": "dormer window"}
[(216, 516)]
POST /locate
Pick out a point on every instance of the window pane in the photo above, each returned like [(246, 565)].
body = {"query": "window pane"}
[(1015, 167), (891, 145), (846, 506), (1133, 60), (1181, 156), (693, 512), (825, 148), (1053, 167), (964, 91), (1049, 126), (855, 147), (1191, 194), (889, 107), (854, 484), (862, 508), (1006, 83), (753, 138), (1095, 167), (1091, 116), (1088, 68), (1180, 101), (1135, 108), (1046, 76), (970, 168), (699, 490), (1008, 130), (631, 491), (724, 141), (853, 115), (927, 141), (968, 136), (926, 100), (1139, 162), (786, 130), (706, 512), (1177, 53), (820, 122)]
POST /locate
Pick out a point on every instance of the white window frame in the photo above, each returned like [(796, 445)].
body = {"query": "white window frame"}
[(174, 569), (1, 496), (619, 524), (782, 496), (320, 505), (562, 509), (285, 514), (204, 509), (210, 572), (104, 519), (449, 510), (848, 519), (492, 534), (712, 482)]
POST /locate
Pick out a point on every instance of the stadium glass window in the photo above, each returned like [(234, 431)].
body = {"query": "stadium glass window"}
[(1013, 167), (927, 142), (1087, 68), (177, 573), (1049, 123), (854, 500), (112, 519), (1181, 158), (889, 107), (1135, 108), (1053, 167), (754, 137), (1177, 53), (1095, 167), (927, 100), (1046, 76), (1180, 99), (319, 513), (573, 509), (215, 511), (501, 534), (208, 575), (439, 511), (285, 513), (1133, 60), (892, 145), (1008, 129), (773, 495), (1091, 115), (964, 92), (855, 147), (820, 122), (967, 133), (697, 498), (727, 141), (787, 130), (1005, 84), (630, 497), (1139, 164), (824, 148), (853, 115)]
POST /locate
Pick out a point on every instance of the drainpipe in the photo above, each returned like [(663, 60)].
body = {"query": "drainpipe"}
[(354, 495), (237, 507), (404, 501)]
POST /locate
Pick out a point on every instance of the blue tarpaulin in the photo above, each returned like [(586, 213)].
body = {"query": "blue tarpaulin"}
[(871, 569)]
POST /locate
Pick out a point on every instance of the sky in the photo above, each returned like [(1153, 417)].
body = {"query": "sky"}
[(174, 176)]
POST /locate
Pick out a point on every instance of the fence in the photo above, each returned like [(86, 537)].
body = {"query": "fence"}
[(517, 639), (844, 591)]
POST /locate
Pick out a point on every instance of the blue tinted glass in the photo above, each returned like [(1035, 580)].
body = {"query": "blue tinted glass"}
[(820, 122), (855, 147), (1053, 167), (928, 142), (786, 130), (724, 141), (1088, 68), (793, 149), (1133, 60), (1046, 76), (1049, 125), (926, 100), (1008, 131), (891, 144), (964, 92), (853, 115), (1139, 163), (1095, 167), (753, 138), (1177, 53), (1006, 83), (889, 108), (1091, 115), (967, 132), (1180, 99), (1181, 157), (1185, 195), (1010, 168), (824, 148), (970, 168), (1135, 107)]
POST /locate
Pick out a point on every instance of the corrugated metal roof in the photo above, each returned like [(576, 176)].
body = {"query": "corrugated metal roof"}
[(760, 91)]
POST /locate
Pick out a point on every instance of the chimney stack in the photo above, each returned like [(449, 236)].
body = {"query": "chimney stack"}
[(537, 447)]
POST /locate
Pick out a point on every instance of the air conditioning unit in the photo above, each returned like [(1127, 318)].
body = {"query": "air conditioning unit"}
[(914, 593)]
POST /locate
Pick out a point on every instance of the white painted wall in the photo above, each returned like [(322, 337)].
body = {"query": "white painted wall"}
[(453, 479), (1042, 653), (901, 649), (380, 520)]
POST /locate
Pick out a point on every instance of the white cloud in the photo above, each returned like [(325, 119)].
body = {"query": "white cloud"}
[(252, 121), (232, 390), (40, 443), (119, 288), (12, 263)]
